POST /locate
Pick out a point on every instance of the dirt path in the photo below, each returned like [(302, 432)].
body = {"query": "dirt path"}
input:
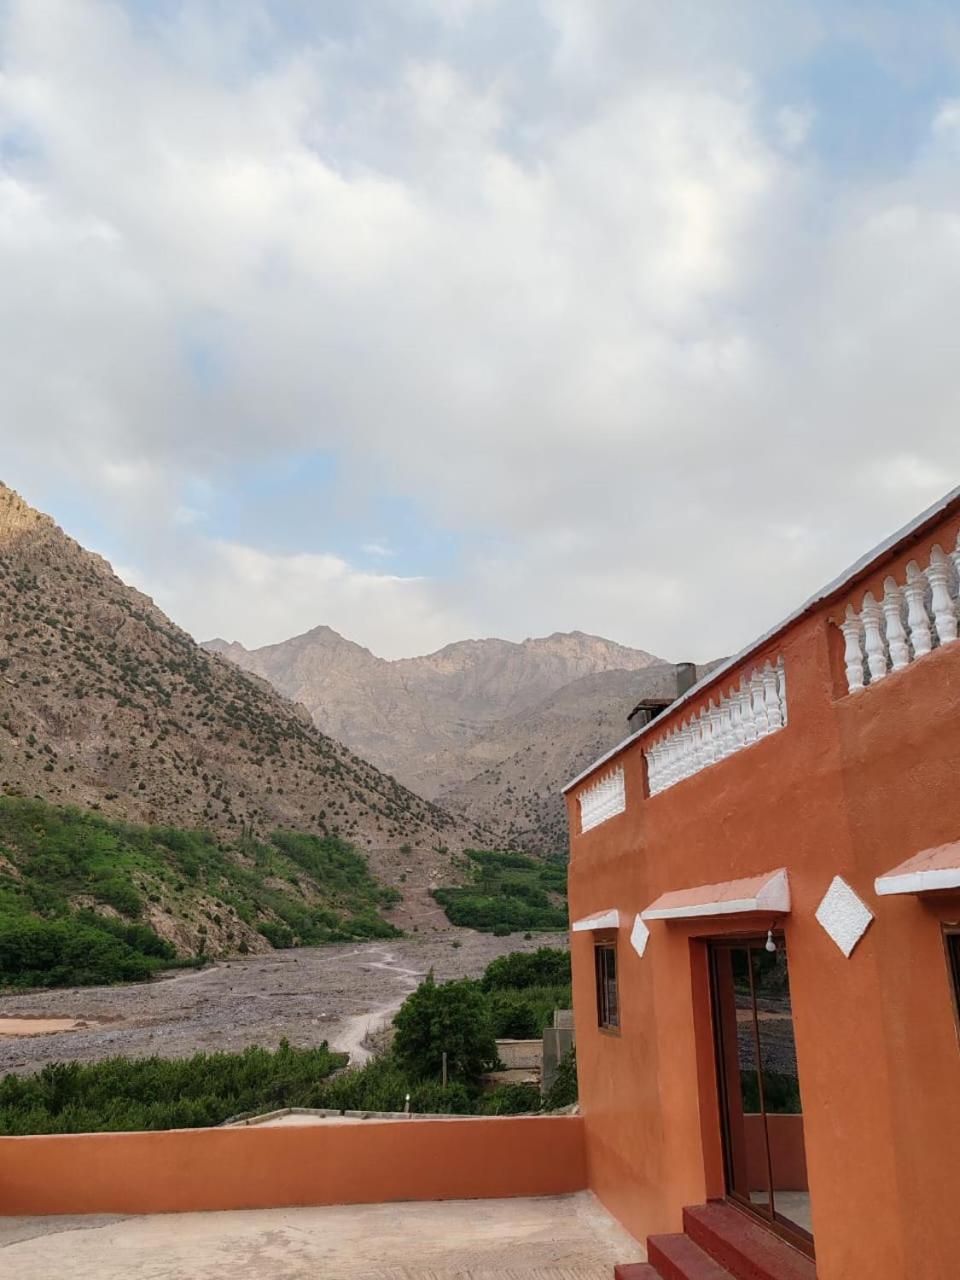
[(340, 994), (355, 1035)]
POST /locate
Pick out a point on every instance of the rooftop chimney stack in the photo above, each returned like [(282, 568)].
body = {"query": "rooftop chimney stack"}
[(649, 709)]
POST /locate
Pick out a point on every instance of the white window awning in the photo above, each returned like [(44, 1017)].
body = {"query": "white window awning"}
[(926, 872), (602, 920), (768, 892)]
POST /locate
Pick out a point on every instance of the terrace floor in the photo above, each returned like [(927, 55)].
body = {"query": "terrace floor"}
[(547, 1238)]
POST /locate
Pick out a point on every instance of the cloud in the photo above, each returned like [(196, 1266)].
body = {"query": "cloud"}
[(567, 278), (242, 592)]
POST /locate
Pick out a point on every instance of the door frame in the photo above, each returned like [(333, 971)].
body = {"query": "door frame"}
[(792, 1234)]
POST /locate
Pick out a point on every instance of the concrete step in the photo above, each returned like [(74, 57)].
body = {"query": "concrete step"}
[(634, 1271), (747, 1249), (676, 1257)]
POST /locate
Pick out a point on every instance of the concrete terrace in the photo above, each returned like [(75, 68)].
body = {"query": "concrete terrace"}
[(539, 1238)]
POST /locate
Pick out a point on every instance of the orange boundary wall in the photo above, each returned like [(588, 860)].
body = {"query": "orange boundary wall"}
[(260, 1168)]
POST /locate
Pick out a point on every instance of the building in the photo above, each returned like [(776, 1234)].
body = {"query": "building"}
[(765, 889)]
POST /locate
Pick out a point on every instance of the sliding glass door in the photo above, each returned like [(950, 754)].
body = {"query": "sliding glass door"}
[(761, 1116)]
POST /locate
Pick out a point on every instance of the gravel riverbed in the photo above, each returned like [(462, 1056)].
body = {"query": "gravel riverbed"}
[(341, 994)]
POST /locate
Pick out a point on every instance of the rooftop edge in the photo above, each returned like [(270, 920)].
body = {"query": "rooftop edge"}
[(838, 585)]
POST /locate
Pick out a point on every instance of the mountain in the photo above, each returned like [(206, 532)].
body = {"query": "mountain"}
[(467, 723), (537, 751), (107, 705)]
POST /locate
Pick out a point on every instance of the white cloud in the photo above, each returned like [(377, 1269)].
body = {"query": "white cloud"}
[(236, 591), (676, 371)]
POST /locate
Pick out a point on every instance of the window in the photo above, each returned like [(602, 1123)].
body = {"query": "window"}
[(952, 939), (608, 1000)]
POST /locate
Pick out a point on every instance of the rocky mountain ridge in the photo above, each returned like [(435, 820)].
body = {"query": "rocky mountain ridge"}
[(106, 704), (490, 728)]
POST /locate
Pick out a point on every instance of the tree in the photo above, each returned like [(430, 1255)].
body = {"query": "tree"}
[(451, 1018), (545, 967)]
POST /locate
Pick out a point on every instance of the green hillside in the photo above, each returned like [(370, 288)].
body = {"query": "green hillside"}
[(508, 892), (87, 899)]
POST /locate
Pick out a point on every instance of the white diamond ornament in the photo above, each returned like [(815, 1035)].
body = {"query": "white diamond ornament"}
[(639, 936), (843, 915)]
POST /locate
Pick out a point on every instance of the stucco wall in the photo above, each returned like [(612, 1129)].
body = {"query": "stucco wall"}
[(258, 1168), (852, 786)]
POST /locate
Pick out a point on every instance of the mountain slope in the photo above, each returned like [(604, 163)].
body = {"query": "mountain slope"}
[(106, 704), (538, 751), (89, 899), (427, 720)]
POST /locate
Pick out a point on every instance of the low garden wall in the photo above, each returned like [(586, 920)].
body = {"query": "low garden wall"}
[(254, 1167)]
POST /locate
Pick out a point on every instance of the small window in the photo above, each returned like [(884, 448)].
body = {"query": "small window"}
[(952, 938), (608, 1000)]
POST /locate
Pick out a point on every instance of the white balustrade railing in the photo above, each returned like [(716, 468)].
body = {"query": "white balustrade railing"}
[(605, 799), (909, 621), (746, 713)]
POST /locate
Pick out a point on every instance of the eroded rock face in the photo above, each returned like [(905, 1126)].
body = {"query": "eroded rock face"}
[(492, 726), (105, 703)]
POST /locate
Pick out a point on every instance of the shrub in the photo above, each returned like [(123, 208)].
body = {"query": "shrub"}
[(452, 1018), (508, 892), (278, 935), (160, 1093), (545, 967), (523, 1014), (53, 953), (510, 1100)]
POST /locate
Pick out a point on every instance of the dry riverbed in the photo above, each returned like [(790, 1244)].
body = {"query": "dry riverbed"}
[(341, 994)]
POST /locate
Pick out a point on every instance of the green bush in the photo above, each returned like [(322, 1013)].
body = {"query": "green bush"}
[(523, 1014), (545, 967), (54, 953), (162, 1093), (509, 892), (451, 1018), (510, 1100), (278, 935)]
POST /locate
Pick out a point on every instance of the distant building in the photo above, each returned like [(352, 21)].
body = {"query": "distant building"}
[(765, 889)]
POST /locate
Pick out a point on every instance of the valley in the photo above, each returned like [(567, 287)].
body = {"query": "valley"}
[(489, 729), (107, 705), (339, 993)]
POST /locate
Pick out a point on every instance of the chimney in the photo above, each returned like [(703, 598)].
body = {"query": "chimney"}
[(685, 676)]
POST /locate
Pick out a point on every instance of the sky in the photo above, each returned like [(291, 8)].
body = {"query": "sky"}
[(435, 319)]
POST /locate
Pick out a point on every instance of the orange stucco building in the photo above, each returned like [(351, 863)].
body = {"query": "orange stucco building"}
[(765, 889)]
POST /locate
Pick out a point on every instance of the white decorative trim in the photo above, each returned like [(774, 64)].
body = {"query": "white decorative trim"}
[(857, 570), (602, 920), (918, 881), (605, 799), (843, 915), (745, 713), (912, 620), (773, 895), (639, 936)]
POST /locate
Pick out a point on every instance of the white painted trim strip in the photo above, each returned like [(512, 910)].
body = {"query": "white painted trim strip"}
[(918, 881), (602, 920), (774, 895), (698, 909), (832, 588)]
